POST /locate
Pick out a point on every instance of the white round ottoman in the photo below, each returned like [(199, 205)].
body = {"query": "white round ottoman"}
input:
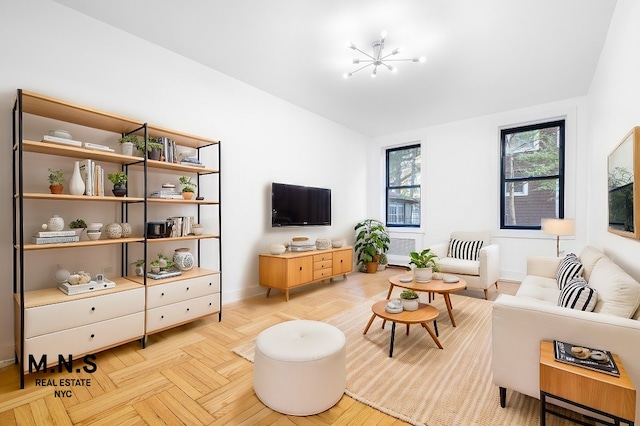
[(300, 367)]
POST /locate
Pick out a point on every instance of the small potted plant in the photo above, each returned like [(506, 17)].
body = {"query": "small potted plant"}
[(139, 265), (425, 263), (56, 180), (154, 149), (127, 143), (119, 181), (188, 187), (160, 263), (78, 225), (372, 240), (410, 301)]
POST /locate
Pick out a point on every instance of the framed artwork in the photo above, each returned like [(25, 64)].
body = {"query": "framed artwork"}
[(623, 170)]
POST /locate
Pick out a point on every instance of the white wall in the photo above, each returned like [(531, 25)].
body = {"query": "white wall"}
[(50, 49), (461, 180), (614, 108)]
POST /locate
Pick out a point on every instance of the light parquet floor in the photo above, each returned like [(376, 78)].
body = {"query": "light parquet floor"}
[(189, 375)]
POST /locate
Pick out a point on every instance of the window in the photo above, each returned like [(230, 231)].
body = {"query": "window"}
[(403, 186), (532, 175)]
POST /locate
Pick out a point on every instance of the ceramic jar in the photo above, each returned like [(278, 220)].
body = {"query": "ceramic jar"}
[(410, 304), (276, 248), (126, 229), (55, 223), (113, 230), (183, 259)]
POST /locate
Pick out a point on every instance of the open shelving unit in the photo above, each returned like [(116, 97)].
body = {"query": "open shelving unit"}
[(49, 323)]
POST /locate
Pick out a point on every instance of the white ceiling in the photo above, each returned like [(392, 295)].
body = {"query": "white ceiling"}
[(483, 56)]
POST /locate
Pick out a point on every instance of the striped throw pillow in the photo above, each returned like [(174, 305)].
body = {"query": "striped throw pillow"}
[(569, 268), (466, 250), (578, 295)]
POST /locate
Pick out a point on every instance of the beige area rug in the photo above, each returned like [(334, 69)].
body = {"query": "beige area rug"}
[(424, 385)]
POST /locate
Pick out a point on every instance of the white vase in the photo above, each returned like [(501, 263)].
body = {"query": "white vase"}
[(55, 223), (423, 275), (76, 184), (183, 259)]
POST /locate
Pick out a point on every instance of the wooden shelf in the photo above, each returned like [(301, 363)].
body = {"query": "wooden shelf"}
[(192, 273), (67, 197), (48, 296), (181, 201), (82, 243), (188, 237), (175, 167), (78, 152)]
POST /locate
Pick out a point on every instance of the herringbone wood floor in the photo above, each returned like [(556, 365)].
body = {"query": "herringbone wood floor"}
[(189, 375)]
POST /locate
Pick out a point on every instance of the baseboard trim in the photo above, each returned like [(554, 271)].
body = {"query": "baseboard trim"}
[(6, 363)]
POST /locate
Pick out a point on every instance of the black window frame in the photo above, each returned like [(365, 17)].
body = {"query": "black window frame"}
[(560, 176), (388, 187)]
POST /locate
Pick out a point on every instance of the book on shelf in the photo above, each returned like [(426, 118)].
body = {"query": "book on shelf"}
[(86, 170), (583, 356), (55, 240), (98, 147), (54, 139), (45, 234), (171, 272)]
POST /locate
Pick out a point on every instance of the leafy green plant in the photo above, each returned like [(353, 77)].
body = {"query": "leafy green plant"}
[(134, 139), (424, 259), (151, 144), (56, 177), (117, 178), (78, 223), (372, 239), (408, 294), (138, 263), (187, 185), (161, 258)]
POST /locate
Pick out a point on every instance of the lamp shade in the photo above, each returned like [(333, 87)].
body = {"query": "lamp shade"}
[(559, 226)]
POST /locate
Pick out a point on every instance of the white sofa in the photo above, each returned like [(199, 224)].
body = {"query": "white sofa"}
[(479, 274), (520, 322)]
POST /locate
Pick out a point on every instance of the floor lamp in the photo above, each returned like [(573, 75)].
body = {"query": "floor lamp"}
[(558, 227)]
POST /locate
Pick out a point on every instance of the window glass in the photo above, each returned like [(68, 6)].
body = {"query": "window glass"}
[(532, 175), (403, 186)]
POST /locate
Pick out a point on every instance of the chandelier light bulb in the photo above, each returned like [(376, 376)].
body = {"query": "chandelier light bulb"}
[(378, 57)]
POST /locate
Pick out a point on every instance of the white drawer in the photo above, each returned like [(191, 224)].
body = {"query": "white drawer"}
[(177, 291), (45, 319), (177, 313), (83, 340)]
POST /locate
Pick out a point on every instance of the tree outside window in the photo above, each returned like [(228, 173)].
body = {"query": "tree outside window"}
[(403, 186), (532, 175)]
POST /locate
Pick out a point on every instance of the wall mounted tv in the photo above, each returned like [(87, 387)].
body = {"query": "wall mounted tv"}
[(294, 205)]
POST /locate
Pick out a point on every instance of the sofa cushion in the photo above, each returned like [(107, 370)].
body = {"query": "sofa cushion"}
[(619, 293), (539, 288), (465, 250), (570, 267), (458, 266), (588, 257), (578, 295)]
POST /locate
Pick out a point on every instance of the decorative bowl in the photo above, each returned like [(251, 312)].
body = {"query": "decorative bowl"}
[(197, 229), (94, 235), (59, 134), (277, 248), (337, 242), (323, 243), (94, 226)]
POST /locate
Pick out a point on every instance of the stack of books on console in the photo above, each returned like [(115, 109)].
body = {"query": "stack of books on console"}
[(166, 193), (301, 244), (55, 237)]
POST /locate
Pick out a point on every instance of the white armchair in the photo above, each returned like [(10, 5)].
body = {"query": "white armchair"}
[(479, 274)]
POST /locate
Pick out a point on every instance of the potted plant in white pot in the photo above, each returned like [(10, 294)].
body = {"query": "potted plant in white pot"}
[(188, 187), (127, 143), (410, 301), (425, 263), (372, 240)]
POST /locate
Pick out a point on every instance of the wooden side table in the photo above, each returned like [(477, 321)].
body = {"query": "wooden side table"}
[(606, 395)]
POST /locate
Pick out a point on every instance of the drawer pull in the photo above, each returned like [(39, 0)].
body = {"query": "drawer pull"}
[(301, 268), (187, 309), (187, 288), (161, 294), (93, 335), (93, 308), (161, 316)]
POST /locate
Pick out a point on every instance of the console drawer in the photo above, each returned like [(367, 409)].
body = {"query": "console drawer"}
[(45, 319), (84, 340), (169, 315), (177, 291)]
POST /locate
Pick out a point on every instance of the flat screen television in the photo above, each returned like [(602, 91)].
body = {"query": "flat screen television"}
[(295, 205)]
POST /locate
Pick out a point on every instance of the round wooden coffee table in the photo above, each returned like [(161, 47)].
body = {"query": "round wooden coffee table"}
[(433, 286), (422, 315)]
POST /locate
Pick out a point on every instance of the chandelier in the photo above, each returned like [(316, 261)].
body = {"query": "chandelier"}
[(379, 59)]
